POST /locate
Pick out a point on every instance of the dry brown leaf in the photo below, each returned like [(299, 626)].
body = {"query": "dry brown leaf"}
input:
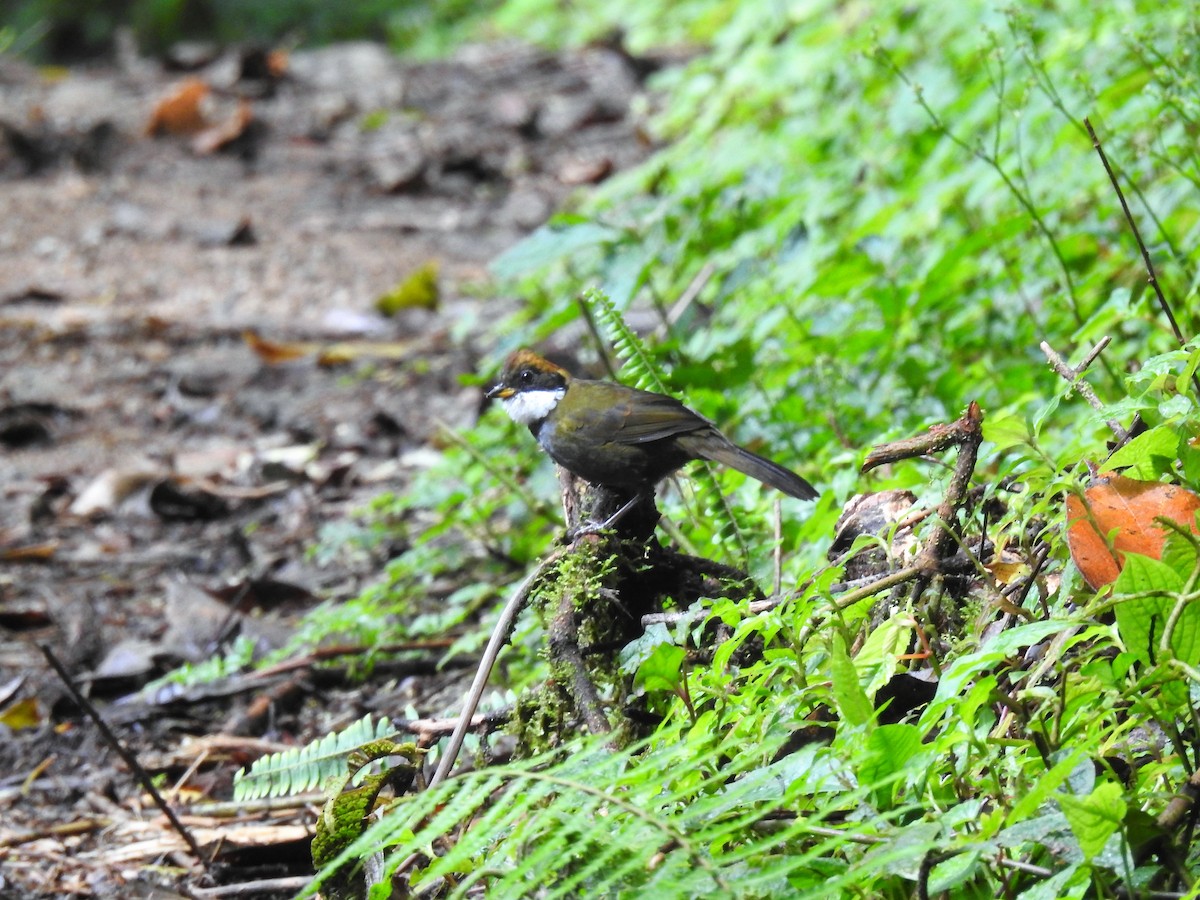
[(585, 171), (1006, 572), (180, 112), (238, 492), (1124, 508), (348, 351), (108, 489), (221, 135), (276, 352), (161, 840), (216, 461), (29, 552)]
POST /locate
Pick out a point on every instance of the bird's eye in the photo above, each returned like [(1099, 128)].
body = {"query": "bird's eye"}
[(526, 376)]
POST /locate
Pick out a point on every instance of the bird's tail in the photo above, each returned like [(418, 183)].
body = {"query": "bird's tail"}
[(769, 473)]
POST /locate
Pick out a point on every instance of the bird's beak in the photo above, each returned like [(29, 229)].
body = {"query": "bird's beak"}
[(499, 392)]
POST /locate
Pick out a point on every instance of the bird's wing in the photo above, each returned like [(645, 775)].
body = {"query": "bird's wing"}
[(647, 417)]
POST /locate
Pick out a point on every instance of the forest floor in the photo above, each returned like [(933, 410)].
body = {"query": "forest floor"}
[(194, 382)]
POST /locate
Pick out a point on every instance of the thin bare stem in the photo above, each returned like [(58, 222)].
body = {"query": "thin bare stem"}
[(500, 632), (1074, 377), (1151, 277), (122, 751)]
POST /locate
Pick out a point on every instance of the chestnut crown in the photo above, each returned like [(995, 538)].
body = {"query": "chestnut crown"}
[(526, 371)]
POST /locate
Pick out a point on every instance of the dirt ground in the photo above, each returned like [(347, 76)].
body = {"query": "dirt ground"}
[(163, 469)]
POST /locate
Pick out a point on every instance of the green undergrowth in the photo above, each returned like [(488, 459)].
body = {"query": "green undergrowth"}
[(885, 208), (69, 30)]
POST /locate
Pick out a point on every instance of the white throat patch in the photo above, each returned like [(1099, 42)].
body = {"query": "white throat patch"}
[(530, 407)]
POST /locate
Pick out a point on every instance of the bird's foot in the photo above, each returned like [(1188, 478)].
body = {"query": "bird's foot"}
[(591, 526), (582, 530)]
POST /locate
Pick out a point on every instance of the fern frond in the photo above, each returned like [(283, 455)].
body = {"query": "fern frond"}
[(633, 353), (305, 768), (674, 820)]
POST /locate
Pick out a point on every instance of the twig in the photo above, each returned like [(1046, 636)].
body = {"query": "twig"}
[(688, 297), (504, 624), (939, 437), (288, 885), (508, 615), (966, 433), (1074, 377), (1183, 801), (62, 829), (969, 430), (1151, 277), (1093, 354), (130, 760), (441, 727), (236, 809), (879, 585)]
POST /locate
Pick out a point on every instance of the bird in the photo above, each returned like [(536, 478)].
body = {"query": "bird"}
[(619, 437)]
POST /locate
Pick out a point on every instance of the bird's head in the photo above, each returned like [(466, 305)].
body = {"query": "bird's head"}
[(529, 387)]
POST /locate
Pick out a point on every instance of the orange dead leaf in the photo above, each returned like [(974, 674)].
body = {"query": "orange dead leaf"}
[(335, 354), (1124, 508), (275, 352), (179, 112)]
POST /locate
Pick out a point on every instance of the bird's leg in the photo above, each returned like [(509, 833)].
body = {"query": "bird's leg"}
[(592, 527), (621, 513)]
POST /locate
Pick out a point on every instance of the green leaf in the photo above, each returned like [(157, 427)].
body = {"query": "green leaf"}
[(555, 240), (1006, 430), (1189, 370), (888, 751), (1189, 456), (956, 677), (879, 657), (851, 699), (663, 669), (1096, 817), (637, 651), (304, 768), (958, 868), (623, 277), (906, 848), (1046, 784), (1011, 640), (1144, 575), (1055, 887), (1185, 633), (1181, 554), (1149, 454), (1142, 618)]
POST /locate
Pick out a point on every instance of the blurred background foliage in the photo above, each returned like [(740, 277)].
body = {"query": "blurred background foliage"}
[(72, 30)]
